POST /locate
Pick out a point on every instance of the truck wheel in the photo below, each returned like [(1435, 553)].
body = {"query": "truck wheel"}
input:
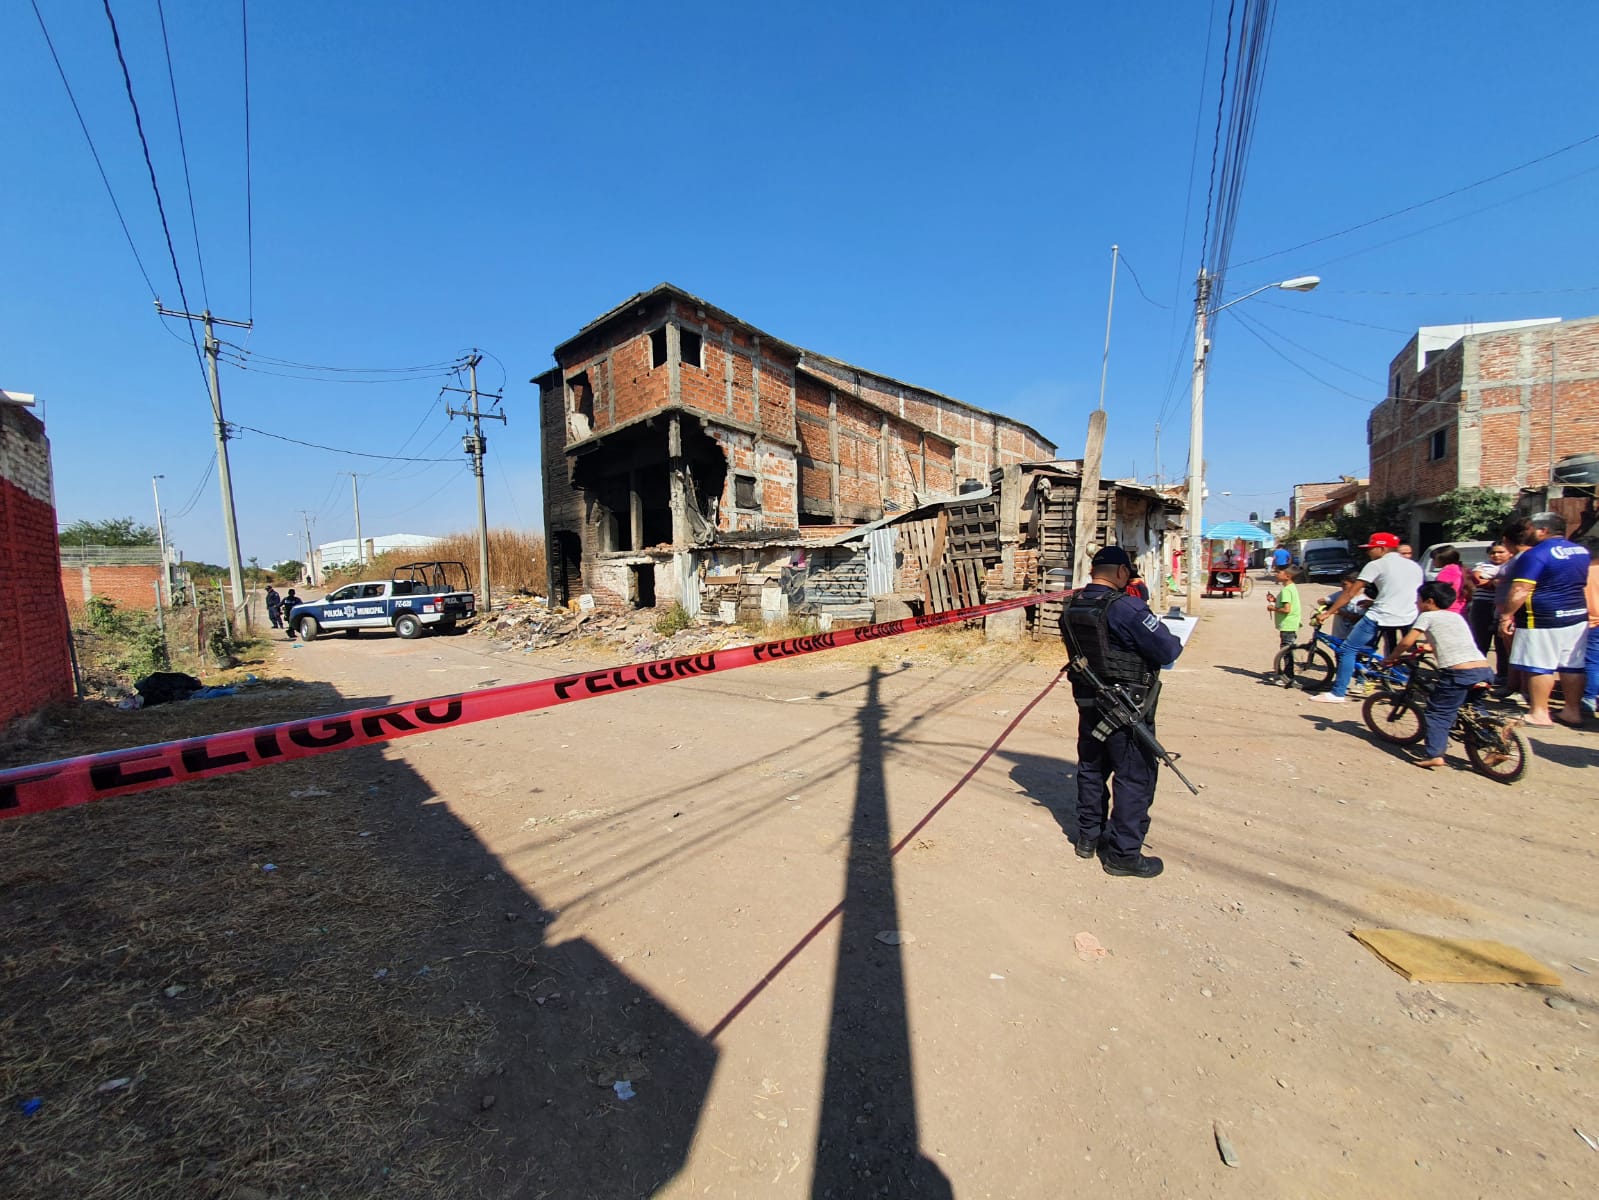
[(309, 629), (407, 626)]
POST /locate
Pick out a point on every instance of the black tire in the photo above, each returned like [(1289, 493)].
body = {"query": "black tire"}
[(1313, 667), (409, 626), (308, 628), (1485, 759), (1393, 719)]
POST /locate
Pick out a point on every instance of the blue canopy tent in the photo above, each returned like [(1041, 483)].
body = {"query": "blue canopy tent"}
[(1227, 556)]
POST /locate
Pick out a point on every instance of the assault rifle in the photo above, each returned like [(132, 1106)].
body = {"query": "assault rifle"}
[(1116, 712)]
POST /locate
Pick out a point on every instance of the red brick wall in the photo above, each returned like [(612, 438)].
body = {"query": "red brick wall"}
[(126, 586), (35, 663)]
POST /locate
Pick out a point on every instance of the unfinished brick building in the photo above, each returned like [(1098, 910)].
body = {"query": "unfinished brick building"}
[(673, 429), (1486, 405)]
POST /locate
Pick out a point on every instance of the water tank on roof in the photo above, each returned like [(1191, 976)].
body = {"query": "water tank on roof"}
[(970, 485), (1578, 470)]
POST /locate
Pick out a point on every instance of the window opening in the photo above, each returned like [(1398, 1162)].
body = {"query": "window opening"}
[(691, 347), (582, 397), (658, 347), (744, 492), (1438, 444)]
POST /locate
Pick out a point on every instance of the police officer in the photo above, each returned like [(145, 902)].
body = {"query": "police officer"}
[(1125, 645)]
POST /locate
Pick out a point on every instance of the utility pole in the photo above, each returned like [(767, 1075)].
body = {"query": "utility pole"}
[(230, 522), (310, 550), (161, 538), (476, 445), (355, 491), (1196, 450)]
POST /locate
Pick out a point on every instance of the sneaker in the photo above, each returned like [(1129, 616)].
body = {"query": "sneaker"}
[(1086, 847), (1327, 698), (1139, 866)]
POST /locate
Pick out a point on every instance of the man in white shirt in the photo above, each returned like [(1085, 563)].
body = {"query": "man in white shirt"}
[(1395, 580)]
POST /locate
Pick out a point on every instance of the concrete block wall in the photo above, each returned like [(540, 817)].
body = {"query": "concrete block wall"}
[(35, 662)]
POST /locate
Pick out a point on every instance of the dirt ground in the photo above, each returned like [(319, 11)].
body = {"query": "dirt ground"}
[(686, 888)]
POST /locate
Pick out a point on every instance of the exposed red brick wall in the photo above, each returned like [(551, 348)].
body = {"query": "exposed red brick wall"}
[(126, 586), (35, 662)]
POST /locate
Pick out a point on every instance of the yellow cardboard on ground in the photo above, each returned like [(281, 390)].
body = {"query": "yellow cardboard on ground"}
[(1424, 959)]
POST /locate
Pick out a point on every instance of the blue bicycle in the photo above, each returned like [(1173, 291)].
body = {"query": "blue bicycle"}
[(1312, 664)]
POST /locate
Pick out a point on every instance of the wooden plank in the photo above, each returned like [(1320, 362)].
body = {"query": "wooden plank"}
[(936, 561)]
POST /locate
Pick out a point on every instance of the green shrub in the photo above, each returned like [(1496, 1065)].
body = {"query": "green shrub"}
[(103, 614), (673, 620)]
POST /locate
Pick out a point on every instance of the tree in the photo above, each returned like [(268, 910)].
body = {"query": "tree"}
[(1474, 514), (1389, 515), (289, 568), (118, 531)]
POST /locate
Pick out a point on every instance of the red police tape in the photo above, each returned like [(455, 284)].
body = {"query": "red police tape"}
[(69, 781)]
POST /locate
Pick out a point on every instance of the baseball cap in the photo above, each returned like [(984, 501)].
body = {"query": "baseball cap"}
[(1386, 540), (1112, 556)]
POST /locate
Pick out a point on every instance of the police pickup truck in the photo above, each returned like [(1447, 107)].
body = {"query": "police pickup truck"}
[(420, 596)]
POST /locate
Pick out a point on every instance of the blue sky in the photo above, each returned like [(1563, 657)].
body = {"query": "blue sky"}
[(930, 190)]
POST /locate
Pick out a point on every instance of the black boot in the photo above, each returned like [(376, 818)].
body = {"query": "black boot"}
[(1086, 846), (1139, 866)]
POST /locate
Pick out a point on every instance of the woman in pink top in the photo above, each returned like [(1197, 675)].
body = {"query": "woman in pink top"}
[(1448, 558)]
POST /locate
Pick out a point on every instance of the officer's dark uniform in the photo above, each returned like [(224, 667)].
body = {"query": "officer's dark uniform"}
[(1125, 643)]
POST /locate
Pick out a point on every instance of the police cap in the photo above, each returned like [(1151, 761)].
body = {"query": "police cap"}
[(1112, 556)]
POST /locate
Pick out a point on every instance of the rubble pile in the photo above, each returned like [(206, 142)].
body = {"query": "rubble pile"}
[(529, 624)]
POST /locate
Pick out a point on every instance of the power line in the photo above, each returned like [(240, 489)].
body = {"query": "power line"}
[(244, 352), (249, 190), (1522, 292), (99, 166), (335, 449), (1307, 350), (1399, 212), (240, 363), (194, 496), (461, 468), (1245, 324), (1325, 316), (1215, 146), (183, 150), (1136, 283), (138, 124)]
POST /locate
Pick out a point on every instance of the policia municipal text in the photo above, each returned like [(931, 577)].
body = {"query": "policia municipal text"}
[(1117, 650)]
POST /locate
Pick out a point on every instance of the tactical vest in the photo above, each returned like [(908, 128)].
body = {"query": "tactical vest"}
[(1085, 624)]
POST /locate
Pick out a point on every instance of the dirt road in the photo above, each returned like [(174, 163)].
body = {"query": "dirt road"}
[(698, 841)]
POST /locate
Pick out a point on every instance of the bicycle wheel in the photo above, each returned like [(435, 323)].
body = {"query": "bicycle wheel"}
[(1312, 666), (1505, 759), (1393, 718)]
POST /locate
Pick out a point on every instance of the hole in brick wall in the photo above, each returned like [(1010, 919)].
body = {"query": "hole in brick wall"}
[(744, 491), (642, 591), (582, 393), (658, 347), (691, 346)]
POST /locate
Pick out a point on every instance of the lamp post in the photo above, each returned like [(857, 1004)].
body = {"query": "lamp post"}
[(1196, 432), (161, 538)]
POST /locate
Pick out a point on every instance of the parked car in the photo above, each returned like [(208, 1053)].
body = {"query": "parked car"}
[(420, 596), (1325, 558), (1471, 553)]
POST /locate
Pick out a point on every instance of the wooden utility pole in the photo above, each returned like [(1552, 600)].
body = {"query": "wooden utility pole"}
[(476, 446), (1088, 499)]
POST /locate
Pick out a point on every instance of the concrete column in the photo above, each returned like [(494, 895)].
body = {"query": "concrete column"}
[(674, 455), (674, 361), (635, 511), (832, 449)]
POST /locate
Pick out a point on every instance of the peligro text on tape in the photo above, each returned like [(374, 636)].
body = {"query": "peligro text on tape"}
[(70, 781)]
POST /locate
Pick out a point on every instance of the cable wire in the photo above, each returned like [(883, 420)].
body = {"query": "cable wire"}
[(1409, 208), (99, 166), (249, 190), (1282, 337), (138, 124), (334, 449), (242, 365), (183, 151), (286, 362), (1247, 326), (199, 488), (1136, 283)]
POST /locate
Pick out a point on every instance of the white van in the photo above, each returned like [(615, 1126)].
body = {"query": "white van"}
[(1471, 553)]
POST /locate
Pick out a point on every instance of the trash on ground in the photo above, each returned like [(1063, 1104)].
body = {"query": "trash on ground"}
[(1224, 1146), (1421, 958), (1593, 1143), (895, 937), (173, 992), (623, 1089), (211, 693), (1559, 1002), (381, 973), (269, 867), (113, 1085), (310, 793), (1088, 947), (33, 1104)]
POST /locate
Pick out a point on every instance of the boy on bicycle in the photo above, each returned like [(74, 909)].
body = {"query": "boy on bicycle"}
[(1461, 665), (1285, 610)]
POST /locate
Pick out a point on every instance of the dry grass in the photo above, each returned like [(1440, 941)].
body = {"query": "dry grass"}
[(146, 943), (516, 560)]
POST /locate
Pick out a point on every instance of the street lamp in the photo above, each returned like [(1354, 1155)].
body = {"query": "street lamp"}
[(1196, 431), (161, 538)]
